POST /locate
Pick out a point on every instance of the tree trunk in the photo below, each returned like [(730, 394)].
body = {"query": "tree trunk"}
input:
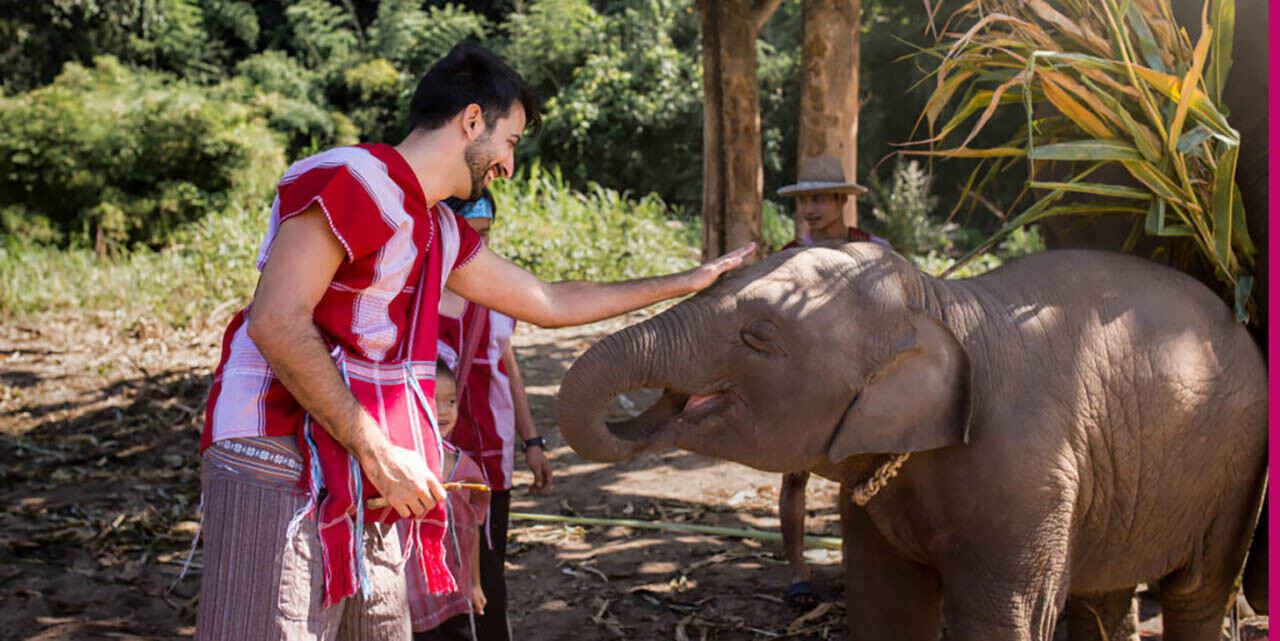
[(732, 174), (829, 88)]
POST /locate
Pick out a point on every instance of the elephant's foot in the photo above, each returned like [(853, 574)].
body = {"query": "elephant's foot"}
[(1097, 617)]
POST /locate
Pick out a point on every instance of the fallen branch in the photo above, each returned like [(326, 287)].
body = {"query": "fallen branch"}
[(827, 542)]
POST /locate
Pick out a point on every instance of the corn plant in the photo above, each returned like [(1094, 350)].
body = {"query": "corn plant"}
[(1122, 83)]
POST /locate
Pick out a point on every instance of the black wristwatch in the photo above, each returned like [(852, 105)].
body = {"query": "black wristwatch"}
[(536, 441)]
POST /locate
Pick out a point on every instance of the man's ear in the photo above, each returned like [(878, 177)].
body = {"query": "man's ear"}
[(919, 400), (472, 122)]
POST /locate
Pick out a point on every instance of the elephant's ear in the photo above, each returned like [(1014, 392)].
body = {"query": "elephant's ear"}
[(919, 400)]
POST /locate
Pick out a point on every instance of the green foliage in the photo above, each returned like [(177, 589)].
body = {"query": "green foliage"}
[(901, 211), (1121, 83), (624, 106), (172, 36), (209, 98), (289, 96), (412, 39), (1020, 242), (940, 264), (543, 225), (557, 233), (403, 41), (322, 32), (779, 228), (274, 71), (551, 39), (130, 156), (212, 267)]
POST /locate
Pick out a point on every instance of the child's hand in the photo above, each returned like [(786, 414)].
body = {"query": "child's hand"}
[(477, 599), (541, 468)]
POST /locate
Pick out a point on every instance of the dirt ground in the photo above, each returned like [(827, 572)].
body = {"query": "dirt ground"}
[(99, 490)]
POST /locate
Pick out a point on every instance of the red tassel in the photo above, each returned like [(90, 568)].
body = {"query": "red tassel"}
[(439, 580), (337, 552)]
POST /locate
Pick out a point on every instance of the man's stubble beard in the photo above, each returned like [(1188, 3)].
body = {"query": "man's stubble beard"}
[(478, 164)]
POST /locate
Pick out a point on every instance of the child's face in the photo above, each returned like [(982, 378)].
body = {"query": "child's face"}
[(481, 225), (446, 404)]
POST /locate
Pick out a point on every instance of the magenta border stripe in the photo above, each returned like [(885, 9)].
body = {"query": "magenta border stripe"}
[(1273, 97)]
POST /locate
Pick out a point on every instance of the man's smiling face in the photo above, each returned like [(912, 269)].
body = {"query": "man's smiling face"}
[(492, 153)]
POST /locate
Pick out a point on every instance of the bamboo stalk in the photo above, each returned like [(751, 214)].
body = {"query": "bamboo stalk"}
[(825, 542), (378, 502)]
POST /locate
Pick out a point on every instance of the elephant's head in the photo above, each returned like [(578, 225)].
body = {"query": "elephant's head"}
[(810, 355)]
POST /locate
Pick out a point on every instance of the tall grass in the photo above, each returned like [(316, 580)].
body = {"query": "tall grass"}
[(212, 267), (561, 234), (543, 225)]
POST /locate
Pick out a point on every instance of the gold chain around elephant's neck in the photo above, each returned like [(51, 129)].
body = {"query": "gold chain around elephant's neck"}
[(867, 490)]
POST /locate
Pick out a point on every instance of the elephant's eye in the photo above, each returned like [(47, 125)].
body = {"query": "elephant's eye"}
[(762, 336)]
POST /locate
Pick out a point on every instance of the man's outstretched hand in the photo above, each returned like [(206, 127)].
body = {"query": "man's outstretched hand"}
[(705, 274)]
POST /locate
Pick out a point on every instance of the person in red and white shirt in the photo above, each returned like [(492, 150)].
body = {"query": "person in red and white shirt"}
[(821, 192), (354, 233), (493, 417)]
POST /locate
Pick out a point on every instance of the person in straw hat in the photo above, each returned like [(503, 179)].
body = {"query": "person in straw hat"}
[(821, 193)]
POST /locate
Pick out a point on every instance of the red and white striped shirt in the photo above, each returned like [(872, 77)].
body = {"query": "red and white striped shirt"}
[(486, 427), (376, 209)]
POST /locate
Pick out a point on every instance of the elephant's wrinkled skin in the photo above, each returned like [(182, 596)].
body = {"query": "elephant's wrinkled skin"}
[(1081, 422), (1245, 95)]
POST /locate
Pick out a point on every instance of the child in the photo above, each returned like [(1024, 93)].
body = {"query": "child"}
[(466, 511), (493, 419)]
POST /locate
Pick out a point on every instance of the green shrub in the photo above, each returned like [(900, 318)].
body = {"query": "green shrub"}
[(779, 228), (1020, 242), (212, 267), (936, 263), (109, 157), (561, 234), (900, 212), (623, 100)]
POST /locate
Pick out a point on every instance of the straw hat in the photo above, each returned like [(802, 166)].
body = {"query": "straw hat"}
[(822, 175)]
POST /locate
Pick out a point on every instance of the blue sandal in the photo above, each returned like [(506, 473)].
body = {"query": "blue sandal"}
[(800, 595)]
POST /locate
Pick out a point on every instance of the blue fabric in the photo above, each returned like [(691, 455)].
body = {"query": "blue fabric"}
[(477, 209)]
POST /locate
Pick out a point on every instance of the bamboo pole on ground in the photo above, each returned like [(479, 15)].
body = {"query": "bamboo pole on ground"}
[(826, 542)]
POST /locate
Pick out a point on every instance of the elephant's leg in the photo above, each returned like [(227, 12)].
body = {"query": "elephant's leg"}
[(1255, 579), (1192, 609), (1112, 616), (1195, 597), (887, 596), (1004, 611), (1006, 586)]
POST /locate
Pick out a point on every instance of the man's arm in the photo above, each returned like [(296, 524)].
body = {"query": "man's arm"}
[(525, 429), (496, 283), (302, 263)]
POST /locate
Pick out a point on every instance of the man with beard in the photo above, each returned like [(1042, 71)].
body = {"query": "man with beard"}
[(313, 401)]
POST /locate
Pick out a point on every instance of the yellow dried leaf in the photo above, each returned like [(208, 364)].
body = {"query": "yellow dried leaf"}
[(1077, 112), (1188, 86)]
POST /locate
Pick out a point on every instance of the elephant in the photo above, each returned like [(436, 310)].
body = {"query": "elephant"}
[(1076, 422), (1245, 96)]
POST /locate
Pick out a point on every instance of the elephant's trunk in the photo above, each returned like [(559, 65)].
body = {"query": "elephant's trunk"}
[(637, 357)]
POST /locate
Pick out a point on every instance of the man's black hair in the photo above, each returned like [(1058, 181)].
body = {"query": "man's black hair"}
[(471, 74)]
